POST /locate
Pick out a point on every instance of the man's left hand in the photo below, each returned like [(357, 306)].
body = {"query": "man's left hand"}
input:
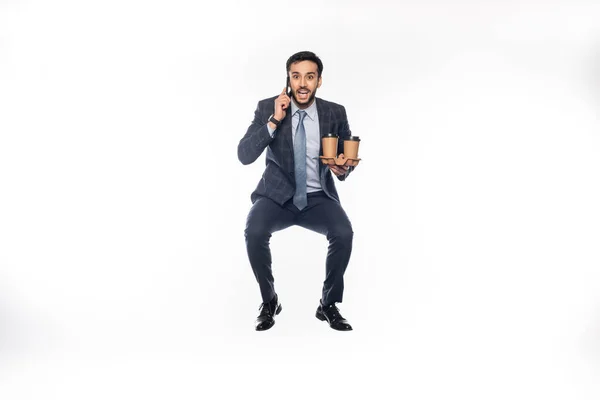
[(338, 169)]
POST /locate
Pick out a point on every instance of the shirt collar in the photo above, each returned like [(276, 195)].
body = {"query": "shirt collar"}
[(311, 112)]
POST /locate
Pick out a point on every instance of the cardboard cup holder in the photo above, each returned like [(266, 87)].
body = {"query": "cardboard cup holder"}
[(352, 162)]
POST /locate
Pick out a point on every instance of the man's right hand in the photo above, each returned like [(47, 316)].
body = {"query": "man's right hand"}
[(281, 104)]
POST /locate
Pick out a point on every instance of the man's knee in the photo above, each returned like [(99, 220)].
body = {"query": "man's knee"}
[(342, 237), (256, 233)]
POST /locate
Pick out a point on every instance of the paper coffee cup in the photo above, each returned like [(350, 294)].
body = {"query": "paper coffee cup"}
[(351, 147), (329, 142)]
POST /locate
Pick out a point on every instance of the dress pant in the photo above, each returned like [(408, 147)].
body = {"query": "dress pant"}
[(322, 215)]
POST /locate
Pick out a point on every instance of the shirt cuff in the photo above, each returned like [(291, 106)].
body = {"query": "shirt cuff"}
[(271, 131)]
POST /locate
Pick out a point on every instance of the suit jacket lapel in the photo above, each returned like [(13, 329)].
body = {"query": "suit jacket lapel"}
[(288, 145), (324, 126), (324, 119)]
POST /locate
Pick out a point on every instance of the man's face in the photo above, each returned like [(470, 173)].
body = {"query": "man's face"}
[(304, 81)]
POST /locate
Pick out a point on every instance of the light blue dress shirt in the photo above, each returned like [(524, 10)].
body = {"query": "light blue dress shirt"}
[(313, 143)]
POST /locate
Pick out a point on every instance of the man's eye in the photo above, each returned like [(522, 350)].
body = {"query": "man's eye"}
[(310, 77)]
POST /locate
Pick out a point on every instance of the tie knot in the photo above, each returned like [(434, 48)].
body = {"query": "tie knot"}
[(301, 114)]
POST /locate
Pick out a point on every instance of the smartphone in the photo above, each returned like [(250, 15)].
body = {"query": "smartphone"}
[(287, 85)]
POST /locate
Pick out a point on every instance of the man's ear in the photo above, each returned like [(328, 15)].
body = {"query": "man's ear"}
[(319, 82)]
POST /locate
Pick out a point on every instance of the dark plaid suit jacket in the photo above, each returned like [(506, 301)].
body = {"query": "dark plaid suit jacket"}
[(278, 182)]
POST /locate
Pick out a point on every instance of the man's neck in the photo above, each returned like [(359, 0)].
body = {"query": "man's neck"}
[(304, 107)]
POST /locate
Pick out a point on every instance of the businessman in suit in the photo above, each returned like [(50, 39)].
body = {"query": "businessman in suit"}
[(296, 188)]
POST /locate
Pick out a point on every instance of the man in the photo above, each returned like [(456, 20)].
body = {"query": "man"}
[(296, 188)]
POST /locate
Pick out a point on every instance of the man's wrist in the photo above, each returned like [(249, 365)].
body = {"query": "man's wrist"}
[(274, 121)]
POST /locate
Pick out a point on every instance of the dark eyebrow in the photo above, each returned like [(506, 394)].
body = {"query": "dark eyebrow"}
[(308, 73)]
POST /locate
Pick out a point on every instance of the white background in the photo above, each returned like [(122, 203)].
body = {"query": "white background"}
[(475, 272)]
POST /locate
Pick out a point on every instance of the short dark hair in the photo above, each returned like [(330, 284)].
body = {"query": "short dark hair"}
[(304, 56)]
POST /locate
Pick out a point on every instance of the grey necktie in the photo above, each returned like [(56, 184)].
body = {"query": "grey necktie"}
[(300, 163)]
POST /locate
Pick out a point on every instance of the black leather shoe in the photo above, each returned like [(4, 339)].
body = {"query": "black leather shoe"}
[(268, 311), (332, 315)]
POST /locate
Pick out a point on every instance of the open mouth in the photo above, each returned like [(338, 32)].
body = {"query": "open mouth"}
[(303, 94)]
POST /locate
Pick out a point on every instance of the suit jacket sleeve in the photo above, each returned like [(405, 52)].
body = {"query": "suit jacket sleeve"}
[(257, 137)]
